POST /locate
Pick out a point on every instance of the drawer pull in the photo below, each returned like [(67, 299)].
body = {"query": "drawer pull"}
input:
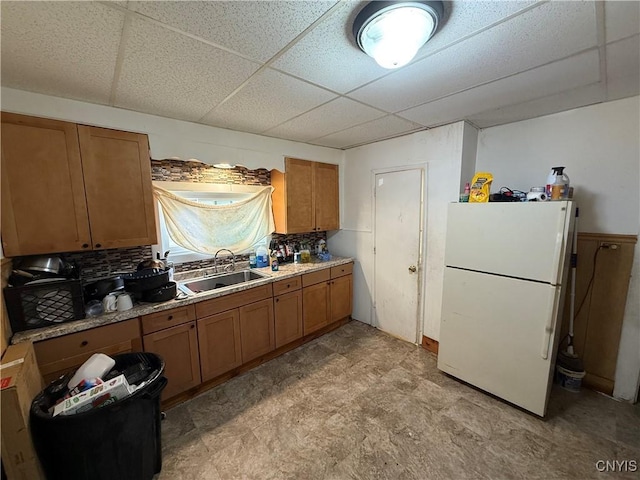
[(98, 245), (84, 343), (288, 286), (277, 300), (192, 326), (85, 245), (170, 317)]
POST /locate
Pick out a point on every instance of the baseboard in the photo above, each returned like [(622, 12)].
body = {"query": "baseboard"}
[(430, 344)]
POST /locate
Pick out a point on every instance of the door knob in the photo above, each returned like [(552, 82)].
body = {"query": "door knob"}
[(412, 269)]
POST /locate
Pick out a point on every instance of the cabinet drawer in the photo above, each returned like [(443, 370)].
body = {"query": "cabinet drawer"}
[(316, 277), (169, 318), (233, 300), (288, 285), (342, 270)]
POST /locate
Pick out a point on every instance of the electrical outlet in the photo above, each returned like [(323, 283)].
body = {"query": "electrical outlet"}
[(610, 246)]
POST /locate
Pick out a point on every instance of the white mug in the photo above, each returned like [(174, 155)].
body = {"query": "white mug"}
[(124, 302), (109, 303)]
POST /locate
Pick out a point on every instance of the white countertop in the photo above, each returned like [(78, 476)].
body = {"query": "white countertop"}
[(285, 271)]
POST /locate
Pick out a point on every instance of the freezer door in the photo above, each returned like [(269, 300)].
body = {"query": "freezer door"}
[(522, 240), (499, 334)]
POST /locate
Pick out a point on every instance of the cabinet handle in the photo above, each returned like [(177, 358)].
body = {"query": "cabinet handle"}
[(170, 317), (85, 245), (277, 300), (288, 286), (192, 326), (98, 245), (84, 343)]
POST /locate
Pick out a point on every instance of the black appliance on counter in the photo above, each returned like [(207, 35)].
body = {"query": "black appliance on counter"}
[(150, 284)]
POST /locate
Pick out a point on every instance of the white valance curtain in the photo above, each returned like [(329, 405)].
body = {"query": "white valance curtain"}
[(208, 228)]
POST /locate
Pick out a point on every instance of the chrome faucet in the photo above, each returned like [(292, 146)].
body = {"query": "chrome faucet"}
[(233, 261)]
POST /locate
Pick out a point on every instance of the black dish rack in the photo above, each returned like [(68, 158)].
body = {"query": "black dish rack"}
[(44, 304)]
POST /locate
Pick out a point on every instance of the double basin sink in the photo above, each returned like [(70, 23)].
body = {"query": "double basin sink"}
[(220, 281)]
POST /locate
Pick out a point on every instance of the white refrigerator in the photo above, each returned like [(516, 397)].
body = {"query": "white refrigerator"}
[(505, 277)]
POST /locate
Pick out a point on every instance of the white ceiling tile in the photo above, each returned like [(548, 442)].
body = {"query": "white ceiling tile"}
[(509, 48), (386, 127), (268, 100), (168, 74), (67, 49), (466, 18), (559, 102), (622, 19), (329, 118), (577, 71), (623, 68), (322, 58), (253, 28)]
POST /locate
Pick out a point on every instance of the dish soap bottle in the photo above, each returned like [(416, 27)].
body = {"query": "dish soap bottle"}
[(253, 260), (263, 256)]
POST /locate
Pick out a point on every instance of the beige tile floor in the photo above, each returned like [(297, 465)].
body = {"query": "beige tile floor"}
[(357, 403)]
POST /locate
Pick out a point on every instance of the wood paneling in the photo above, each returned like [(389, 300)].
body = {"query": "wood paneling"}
[(598, 323), (430, 344), (341, 297), (178, 346), (257, 329), (288, 317), (43, 195), (117, 177), (219, 340)]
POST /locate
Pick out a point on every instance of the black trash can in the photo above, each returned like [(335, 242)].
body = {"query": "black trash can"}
[(116, 441)]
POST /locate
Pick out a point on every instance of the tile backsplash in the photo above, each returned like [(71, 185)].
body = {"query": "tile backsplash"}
[(103, 263)]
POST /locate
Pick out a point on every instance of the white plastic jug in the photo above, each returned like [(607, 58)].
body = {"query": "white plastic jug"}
[(98, 365)]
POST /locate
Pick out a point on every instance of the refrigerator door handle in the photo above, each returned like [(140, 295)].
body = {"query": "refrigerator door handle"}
[(558, 252), (550, 324)]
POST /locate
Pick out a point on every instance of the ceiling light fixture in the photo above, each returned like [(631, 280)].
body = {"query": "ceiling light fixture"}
[(226, 166), (393, 32)]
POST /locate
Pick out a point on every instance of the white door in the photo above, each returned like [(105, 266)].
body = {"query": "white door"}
[(398, 207)]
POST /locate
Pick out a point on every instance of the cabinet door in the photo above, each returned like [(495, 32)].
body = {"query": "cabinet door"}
[(219, 340), (288, 317), (315, 307), (341, 297), (299, 196), (117, 178), (43, 197), (178, 346), (326, 193), (257, 329)]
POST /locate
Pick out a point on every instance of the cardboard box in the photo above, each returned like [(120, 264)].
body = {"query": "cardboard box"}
[(20, 382), (104, 394)]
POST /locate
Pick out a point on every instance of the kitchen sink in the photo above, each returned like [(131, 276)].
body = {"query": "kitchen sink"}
[(220, 281)]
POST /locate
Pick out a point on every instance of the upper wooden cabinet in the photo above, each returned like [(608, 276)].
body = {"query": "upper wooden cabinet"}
[(68, 187), (306, 197)]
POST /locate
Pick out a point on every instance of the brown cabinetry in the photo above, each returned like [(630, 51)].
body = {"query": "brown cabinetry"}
[(257, 332), (63, 354), (68, 187), (173, 336), (306, 197), (287, 306), (326, 297), (219, 340)]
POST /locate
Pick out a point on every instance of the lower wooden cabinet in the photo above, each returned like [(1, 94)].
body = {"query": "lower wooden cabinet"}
[(219, 340), (63, 354), (341, 297), (178, 346), (257, 332), (315, 307), (288, 317)]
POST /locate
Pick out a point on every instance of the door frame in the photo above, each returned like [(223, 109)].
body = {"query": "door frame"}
[(422, 167)]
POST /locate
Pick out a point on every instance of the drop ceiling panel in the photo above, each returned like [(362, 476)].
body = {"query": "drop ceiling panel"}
[(168, 74), (386, 127), (509, 48), (67, 49), (322, 58), (559, 102), (622, 19), (253, 28), (623, 68), (268, 100), (329, 118), (577, 71), (463, 19)]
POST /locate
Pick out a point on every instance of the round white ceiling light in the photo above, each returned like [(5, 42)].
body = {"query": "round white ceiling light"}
[(393, 32)]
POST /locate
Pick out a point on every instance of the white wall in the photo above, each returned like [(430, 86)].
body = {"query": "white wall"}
[(600, 146), (440, 151), (170, 138)]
